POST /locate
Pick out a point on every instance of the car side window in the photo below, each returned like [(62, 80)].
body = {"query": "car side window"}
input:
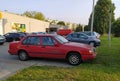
[(74, 35), (81, 36), (31, 41), (48, 41)]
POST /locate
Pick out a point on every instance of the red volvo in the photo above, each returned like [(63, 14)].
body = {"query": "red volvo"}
[(51, 46)]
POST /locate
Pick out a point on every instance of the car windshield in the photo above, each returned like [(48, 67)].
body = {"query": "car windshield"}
[(61, 39)]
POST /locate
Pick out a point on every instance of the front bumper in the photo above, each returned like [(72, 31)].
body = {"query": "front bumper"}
[(89, 56)]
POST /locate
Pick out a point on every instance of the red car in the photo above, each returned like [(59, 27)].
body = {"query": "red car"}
[(64, 32), (51, 46)]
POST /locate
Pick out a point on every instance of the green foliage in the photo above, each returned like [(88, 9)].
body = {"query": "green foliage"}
[(78, 28), (116, 28), (53, 22), (34, 14), (86, 28), (62, 23), (106, 67), (101, 16)]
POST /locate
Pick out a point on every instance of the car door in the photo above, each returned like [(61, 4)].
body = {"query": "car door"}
[(82, 38), (32, 45), (74, 37), (49, 48)]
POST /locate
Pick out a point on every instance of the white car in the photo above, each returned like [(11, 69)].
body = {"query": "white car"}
[(2, 39)]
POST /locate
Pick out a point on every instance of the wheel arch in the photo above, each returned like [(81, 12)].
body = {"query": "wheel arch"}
[(22, 50), (93, 42), (72, 52)]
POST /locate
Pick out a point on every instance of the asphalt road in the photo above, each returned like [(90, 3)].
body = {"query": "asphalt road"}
[(9, 64)]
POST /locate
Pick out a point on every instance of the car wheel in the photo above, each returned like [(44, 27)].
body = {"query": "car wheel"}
[(17, 39), (2, 43), (74, 59), (23, 56), (92, 44)]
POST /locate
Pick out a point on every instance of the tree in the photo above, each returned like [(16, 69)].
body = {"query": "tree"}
[(116, 28), (78, 28), (34, 14), (101, 16), (86, 28), (62, 23)]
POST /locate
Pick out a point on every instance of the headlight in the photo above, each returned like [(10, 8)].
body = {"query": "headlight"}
[(92, 50)]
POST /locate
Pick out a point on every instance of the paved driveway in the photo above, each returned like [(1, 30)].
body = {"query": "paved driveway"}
[(9, 64)]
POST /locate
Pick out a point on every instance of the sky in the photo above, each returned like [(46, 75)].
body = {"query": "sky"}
[(74, 11)]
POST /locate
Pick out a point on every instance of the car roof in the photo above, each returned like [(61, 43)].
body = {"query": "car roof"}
[(43, 35), (78, 33)]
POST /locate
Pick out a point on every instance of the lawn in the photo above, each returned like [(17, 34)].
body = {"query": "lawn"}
[(106, 67)]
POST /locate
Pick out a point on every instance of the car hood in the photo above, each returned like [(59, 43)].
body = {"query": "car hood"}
[(74, 44)]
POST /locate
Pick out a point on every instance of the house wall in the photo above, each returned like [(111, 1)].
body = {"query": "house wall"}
[(31, 25)]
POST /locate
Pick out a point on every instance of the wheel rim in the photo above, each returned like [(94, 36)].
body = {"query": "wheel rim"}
[(22, 55), (74, 59)]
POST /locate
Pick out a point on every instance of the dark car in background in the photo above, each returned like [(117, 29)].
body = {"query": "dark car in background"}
[(14, 36), (37, 33), (2, 39), (83, 38)]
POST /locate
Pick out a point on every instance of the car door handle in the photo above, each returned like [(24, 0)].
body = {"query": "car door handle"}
[(43, 46), (27, 46)]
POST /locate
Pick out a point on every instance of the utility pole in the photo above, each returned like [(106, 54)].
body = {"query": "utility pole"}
[(110, 20), (92, 21)]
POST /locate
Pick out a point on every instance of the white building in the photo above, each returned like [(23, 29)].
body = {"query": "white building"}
[(10, 22)]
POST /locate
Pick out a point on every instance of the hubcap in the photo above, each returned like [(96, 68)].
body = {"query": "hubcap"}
[(74, 59), (22, 56)]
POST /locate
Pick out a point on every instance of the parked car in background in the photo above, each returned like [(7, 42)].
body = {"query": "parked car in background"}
[(51, 46), (25, 33), (2, 39), (94, 34), (83, 38), (37, 33), (52, 33), (14, 36), (64, 32)]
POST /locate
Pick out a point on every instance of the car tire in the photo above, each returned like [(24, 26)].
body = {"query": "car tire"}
[(1, 43), (92, 44), (17, 39), (74, 59), (23, 56), (10, 39)]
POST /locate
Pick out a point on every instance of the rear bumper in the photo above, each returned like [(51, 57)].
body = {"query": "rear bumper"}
[(11, 53)]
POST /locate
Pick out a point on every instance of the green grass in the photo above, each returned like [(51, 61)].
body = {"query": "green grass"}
[(106, 67)]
